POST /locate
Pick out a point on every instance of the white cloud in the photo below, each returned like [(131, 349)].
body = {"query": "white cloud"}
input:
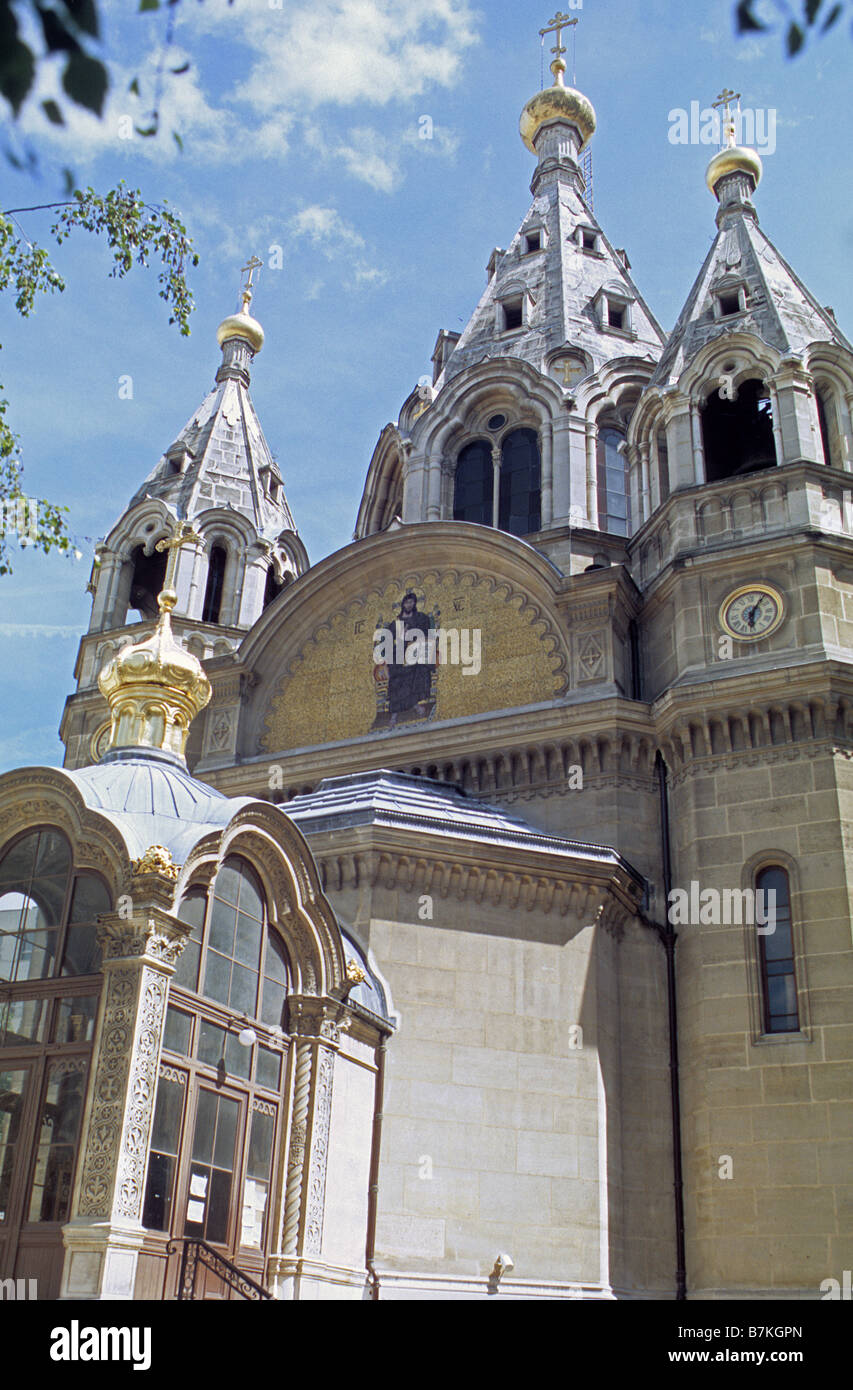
[(326, 232), (340, 52), (365, 153)]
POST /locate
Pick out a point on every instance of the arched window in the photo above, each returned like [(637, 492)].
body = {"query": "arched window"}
[(738, 434), (213, 1152), (474, 484), (215, 584), (49, 990), (149, 574), (519, 499), (776, 951), (613, 502)]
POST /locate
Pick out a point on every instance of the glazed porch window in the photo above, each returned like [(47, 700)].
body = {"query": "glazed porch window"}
[(236, 960), (50, 985), (211, 1166)]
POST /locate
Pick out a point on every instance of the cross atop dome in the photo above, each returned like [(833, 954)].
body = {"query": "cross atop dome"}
[(556, 26)]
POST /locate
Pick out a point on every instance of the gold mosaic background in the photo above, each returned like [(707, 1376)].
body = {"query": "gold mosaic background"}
[(330, 693)]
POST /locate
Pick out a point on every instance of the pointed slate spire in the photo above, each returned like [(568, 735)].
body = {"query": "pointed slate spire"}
[(745, 283), (560, 283), (221, 458)]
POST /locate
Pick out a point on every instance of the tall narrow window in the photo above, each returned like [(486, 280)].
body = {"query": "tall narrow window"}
[(474, 484), (825, 434), (663, 465), (519, 499), (613, 514), (776, 951), (215, 585)]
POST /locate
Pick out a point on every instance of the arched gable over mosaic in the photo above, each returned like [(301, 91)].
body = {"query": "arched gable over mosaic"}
[(489, 627)]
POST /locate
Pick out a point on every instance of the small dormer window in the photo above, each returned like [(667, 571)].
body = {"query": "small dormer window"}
[(533, 241), (588, 239), (729, 297), (513, 313), (613, 310)]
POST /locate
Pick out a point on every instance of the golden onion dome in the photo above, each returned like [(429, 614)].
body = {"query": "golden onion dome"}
[(557, 103), (155, 688), (242, 325), (732, 160)]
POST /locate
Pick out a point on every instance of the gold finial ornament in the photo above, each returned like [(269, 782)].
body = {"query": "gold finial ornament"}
[(242, 325), (155, 688), (732, 158), (156, 860), (558, 102)]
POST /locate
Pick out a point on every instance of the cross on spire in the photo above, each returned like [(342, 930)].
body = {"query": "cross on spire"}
[(182, 534), (556, 26), (248, 270), (723, 102)]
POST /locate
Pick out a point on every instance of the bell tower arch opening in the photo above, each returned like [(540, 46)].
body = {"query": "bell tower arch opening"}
[(737, 431), (149, 574)]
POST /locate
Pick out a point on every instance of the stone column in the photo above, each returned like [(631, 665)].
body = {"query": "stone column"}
[(141, 945), (434, 490), (316, 1026), (496, 485), (108, 575), (546, 446), (254, 584), (592, 475), (191, 573), (795, 413), (679, 440)]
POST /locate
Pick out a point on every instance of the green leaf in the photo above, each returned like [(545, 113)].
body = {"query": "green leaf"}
[(148, 5), (134, 87), (17, 71), (811, 9), (178, 141), (57, 36), (53, 113), (185, 67), (746, 20), (796, 39), (146, 130), (84, 14), (832, 18), (86, 82), (68, 180)]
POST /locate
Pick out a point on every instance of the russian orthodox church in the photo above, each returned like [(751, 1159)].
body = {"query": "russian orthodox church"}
[(330, 971)]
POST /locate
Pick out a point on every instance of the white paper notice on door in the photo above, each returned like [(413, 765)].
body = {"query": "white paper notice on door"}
[(198, 1185), (195, 1211)]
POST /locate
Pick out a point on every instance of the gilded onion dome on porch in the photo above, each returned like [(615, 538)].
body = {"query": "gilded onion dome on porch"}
[(155, 688)]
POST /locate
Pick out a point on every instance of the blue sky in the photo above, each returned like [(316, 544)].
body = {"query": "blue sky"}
[(300, 127)]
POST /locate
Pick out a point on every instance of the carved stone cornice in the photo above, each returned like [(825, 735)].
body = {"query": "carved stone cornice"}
[(320, 1020), (147, 936)]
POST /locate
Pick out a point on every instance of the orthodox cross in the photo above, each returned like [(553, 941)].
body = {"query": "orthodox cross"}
[(556, 26), (249, 269), (723, 102), (182, 534)]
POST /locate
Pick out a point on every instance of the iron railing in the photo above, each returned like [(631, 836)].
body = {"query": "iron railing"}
[(197, 1252)]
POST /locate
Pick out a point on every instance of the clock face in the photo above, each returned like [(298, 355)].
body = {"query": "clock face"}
[(752, 612)]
